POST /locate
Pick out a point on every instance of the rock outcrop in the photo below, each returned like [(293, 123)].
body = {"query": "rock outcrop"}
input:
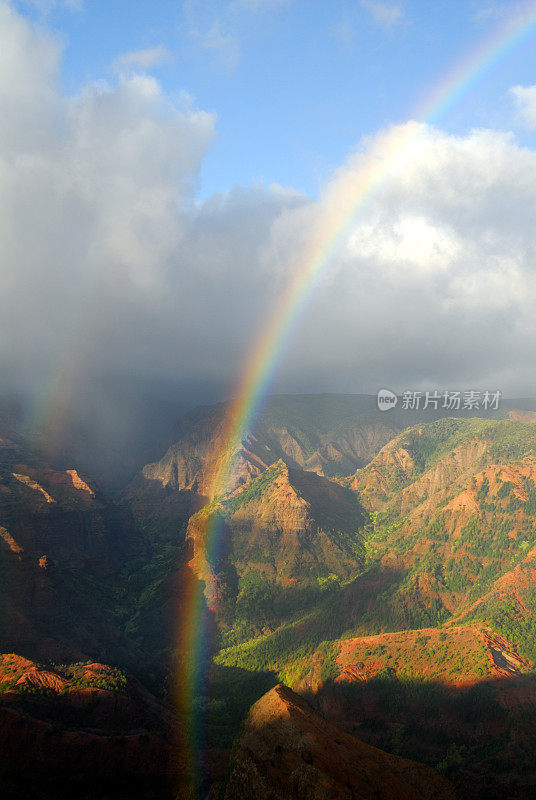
[(288, 751), (312, 433), (62, 544), (292, 526)]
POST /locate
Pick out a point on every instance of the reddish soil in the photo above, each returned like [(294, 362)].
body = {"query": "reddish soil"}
[(459, 656), (287, 750)]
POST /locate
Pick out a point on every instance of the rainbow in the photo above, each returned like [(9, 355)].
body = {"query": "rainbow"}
[(348, 196)]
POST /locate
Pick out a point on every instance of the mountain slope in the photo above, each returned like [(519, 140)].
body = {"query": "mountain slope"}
[(291, 525), (283, 537), (326, 434), (448, 516), (446, 531), (457, 655), (62, 547), (287, 750), (331, 435), (84, 730), (413, 574), (429, 651)]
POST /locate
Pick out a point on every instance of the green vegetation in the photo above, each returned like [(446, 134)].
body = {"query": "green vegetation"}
[(508, 441), (483, 490), (328, 653), (416, 564), (289, 632), (455, 757), (511, 441), (424, 720), (8, 685), (256, 597), (415, 568), (254, 490), (438, 438), (144, 580), (230, 695), (77, 675), (261, 602), (509, 619), (505, 490), (529, 507), (111, 680)]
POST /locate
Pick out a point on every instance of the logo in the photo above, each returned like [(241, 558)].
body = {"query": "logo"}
[(386, 399)]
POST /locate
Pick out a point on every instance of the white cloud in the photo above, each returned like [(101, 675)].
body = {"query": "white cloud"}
[(386, 14), (525, 99), (142, 59), (433, 282), (109, 265), (108, 262)]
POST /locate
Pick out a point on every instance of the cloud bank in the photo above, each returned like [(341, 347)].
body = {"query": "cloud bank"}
[(434, 284), (110, 265)]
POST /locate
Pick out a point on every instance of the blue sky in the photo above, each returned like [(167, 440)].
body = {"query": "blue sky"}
[(294, 84)]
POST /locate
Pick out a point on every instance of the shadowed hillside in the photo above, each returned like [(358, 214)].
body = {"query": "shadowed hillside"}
[(286, 750)]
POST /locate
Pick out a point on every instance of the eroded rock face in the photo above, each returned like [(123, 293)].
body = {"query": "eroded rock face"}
[(59, 537), (289, 525), (336, 448), (288, 751)]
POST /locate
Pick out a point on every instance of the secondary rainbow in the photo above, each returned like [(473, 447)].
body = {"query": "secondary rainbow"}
[(348, 195)]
